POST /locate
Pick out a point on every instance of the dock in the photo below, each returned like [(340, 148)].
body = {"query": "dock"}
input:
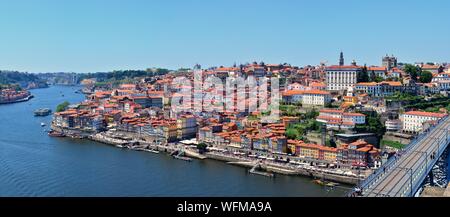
[(182, 158), (186, 154), (254, 170)]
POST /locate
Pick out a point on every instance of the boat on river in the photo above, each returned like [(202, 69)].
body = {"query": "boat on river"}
[(53, 133), (152, 151), (42, 112)]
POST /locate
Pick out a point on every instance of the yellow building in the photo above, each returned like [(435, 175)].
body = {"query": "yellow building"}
[(308, 151)]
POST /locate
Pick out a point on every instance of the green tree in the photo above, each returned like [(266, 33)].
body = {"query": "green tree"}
[(62, 107), (373, 124), (330, 143), (426, 77), (311, 114), (202, 147), (378, 79), (292, 133), (363, 76), (373, 76), (413, 71)]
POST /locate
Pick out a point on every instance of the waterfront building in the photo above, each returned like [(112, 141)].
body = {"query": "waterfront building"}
[(413, 121), (81, 120), (206, 134), (312, 151), (278, 144), (358, 154), (10, 95), (187, 126)]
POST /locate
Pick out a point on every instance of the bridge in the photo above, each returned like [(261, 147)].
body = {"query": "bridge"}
[(404, 174)]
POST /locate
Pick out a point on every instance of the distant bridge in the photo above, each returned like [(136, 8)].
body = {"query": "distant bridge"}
[(404, 174)]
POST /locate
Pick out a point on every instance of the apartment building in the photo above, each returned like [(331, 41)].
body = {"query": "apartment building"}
[(307, 97), (339, 119), (414, 121)]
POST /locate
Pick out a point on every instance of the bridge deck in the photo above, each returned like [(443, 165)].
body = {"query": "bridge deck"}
[(408, 172)]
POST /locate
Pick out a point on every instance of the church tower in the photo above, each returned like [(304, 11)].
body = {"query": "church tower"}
[(341, 59)]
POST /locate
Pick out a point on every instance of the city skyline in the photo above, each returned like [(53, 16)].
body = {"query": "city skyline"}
[(111, 35)]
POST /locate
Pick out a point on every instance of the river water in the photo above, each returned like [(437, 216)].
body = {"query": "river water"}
[(33, 164)]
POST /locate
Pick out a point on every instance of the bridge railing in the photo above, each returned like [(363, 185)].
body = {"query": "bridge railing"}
[(386, 167), (420, 173)]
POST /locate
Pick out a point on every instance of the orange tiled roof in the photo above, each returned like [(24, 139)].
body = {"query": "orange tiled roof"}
[(376, 68), (426, 114)]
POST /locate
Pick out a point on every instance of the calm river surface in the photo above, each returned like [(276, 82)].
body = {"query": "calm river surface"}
[(33, 164)]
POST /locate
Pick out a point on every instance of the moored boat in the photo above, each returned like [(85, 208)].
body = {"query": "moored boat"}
[(152, 151), (319, 182), (42, 112), (53, 133)]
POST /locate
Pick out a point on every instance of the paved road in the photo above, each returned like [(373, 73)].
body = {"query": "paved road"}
[(397, 182)]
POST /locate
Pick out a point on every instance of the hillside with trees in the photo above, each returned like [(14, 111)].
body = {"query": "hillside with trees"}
[(122, 75), (23, 79)]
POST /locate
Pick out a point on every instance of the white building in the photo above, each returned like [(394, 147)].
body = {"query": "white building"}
[(296, 86), (430, 68), (381, 89), (293, 96), (356, 118), (413, 121), (371, 88), (317, 86), (441, 77), (334, 118), (307, 97), (316, 98), (443, 85), (341, 77), (379, 71), (393, 125)]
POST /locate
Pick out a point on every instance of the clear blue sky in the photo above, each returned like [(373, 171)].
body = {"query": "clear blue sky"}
[(103, 35)]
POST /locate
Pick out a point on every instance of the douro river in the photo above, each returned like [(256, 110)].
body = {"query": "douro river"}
[(34, 164)]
